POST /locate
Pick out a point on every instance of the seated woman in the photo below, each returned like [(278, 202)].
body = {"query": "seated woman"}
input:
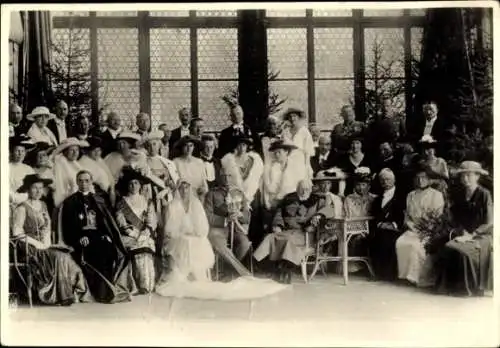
[(191, 256), (66, 166), (414, 265), (351, 161), (57, 279), (358, 204), (191, 168), (93, 162), (293, 219), (465, 263), (323, 182), (436, 166), (385, 229), (137, 221), (246, 166)]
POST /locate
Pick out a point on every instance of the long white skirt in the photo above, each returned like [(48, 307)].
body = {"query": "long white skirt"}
[(413, 262)]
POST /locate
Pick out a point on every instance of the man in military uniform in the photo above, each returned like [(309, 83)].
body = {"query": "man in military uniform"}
[(343, 133)]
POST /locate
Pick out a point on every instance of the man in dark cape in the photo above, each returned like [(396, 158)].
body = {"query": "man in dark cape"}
[(86, 225)]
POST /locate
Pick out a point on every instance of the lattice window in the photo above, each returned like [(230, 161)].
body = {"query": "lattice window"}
[(216, 13), (384, 52), (121, 97), (118, 53), (170, 54), (332, 13), (418, 11), (167, 98), (116, 13), (333, 56), (383, 13), (178, 13), (416, 42), (287, 52), (395, 88), (67, 47), (285, 13), (211, 107), (295, 93), (217, 60), (331, 95), (69, 13)]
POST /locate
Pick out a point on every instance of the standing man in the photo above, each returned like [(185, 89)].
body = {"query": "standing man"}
[(143, 123), (16, 126), (182, 130), (109, 136), (165, 147), (58, 124), (82, 127), (343, 133), (432, 125), (212, 164), (229, 136), (196, 129), (323, 159)]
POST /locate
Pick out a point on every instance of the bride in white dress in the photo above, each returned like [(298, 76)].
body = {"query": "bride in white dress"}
[(191, 256)]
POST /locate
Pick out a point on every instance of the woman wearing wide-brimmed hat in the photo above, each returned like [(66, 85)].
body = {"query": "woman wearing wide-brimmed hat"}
[(66, 166), (101, 175), (323, 181), (57, 279), (39, 131), (137, 220), (18, 146), (437, 167), (298, 134), (190, 168), (42, 162), (465, 265), (126, 153)]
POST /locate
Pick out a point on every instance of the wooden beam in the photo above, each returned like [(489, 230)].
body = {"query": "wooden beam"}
[(94, 70), (194, 65), (311, 88), (358, 49), (144, 64), (408, 68)]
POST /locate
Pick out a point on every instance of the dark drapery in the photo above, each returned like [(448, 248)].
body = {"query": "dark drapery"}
[(36, 51)]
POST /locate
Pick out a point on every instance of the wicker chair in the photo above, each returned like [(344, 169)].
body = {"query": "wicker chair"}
[(344, 230), (15, 263)]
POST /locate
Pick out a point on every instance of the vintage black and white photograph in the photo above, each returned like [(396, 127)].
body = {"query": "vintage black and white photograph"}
[(264, 174)]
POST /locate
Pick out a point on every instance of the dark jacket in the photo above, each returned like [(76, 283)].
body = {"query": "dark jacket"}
[(393, 211), (326, 164), (228, 137), (174, 138), (108, 143), (53, 128)]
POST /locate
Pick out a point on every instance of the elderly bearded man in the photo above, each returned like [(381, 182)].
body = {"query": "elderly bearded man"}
[(296, 215)]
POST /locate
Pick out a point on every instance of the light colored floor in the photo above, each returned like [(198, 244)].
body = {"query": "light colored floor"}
[(323, 312)]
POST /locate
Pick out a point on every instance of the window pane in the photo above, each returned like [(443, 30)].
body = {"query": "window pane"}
[(121, 97), (116, 13), (117, 53), (210, 104), (331, 95), (74, 43), (167, 98), (169, 13), (170, 54), (217, 53), (285, 13), (333, 52), (332, 13), (384, 52), (395, 89), (216, 13), (416, 42), (293, 92), (287, 52), (418, 11), (69, 13), (385, 12)]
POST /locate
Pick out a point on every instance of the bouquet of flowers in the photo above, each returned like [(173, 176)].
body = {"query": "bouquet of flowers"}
[(434, 230)]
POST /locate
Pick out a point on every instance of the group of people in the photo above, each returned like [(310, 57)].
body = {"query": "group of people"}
[(109, 212)]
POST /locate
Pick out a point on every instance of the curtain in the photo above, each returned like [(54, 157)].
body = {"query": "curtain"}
[(37, 38)]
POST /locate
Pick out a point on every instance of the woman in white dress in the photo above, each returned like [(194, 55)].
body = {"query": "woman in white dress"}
[(101, 175), (66, 166), (298, 134), (413, 263), (246, 168), (191, 256)]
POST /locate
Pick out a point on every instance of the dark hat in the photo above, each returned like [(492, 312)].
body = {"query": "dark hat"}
[(129, 173), (21, 140), (293, 110), (186, 139), (282, 144), (330, 175), (31, 179), (362, 174), (40, 146), (427, 142), (94, 142), (243, 139), (207, 137)]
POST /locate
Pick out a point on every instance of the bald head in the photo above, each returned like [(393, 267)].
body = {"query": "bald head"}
[(15, 113), (61, 109), (387, 178), (304, 189)]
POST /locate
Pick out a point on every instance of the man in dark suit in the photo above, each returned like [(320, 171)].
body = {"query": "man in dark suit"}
[(324, 158), (181, 131), (212, 164), (109, 136), (385, 159), (388, 212), (58, 125), (17, 123), (143, 124), (431, 124), (230, 135)]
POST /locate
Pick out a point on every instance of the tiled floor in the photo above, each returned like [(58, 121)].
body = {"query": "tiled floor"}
[(323, 312)]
